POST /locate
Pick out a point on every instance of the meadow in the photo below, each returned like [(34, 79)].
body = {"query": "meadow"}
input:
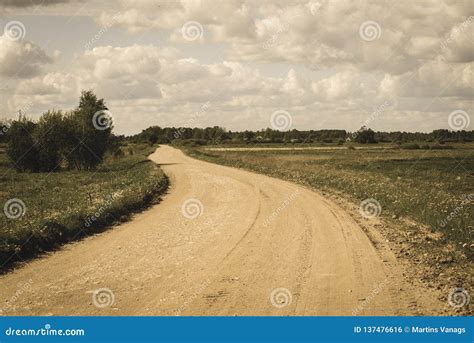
[(41, 211), (433, 187)]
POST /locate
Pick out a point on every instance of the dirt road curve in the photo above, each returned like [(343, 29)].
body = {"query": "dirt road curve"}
[(260, 246)]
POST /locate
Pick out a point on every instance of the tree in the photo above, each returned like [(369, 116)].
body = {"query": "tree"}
[(22, 149), (90, 126), (4, 127), (153, 139), (248, 135), (365, 135), (50, 138), (197, 133), (80, 137)]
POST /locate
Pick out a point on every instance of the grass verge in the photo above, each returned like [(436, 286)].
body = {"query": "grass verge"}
[(47, 210)]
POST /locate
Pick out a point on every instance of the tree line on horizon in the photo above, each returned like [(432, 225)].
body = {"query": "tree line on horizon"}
[(219, 135)]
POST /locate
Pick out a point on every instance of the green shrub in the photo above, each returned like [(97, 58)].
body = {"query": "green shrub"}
[(409, 146)]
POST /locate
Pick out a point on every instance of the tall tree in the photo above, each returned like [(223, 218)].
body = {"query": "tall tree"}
[(91, 126)]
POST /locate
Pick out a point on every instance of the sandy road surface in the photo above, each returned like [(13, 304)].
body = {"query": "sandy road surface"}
[(255, 237)]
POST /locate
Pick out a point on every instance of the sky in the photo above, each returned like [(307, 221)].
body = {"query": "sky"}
[(388, 65)]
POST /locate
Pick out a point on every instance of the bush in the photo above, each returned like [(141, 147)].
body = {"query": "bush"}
[(410, 146), (414, 146), (191, 142), (440, 147)]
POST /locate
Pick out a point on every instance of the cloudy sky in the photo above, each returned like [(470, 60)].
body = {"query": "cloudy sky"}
[(390, 65)]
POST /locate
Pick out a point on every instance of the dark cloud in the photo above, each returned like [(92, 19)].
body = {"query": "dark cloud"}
[(21, 59)]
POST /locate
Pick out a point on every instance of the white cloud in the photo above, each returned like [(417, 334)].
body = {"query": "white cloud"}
[(317, 34), (341, 86), (255, 57), (433, 79), (114, 62)]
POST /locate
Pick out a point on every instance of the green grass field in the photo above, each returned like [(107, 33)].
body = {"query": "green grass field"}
[(67, 205), (432, 187)]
